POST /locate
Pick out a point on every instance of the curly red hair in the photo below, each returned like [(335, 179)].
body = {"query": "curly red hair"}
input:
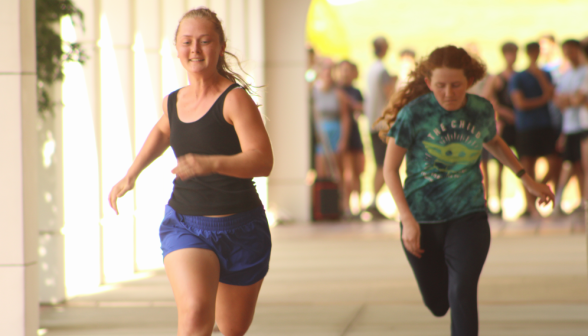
[(449, 57)]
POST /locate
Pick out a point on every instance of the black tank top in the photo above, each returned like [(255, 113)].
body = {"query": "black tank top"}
[(210, 135), (503, 96)]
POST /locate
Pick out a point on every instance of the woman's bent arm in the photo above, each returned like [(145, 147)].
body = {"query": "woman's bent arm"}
[(155, 144), (411, 231), (523, 103), (500, 150)]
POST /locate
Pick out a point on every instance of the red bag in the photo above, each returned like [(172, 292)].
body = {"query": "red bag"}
[(325, 200)]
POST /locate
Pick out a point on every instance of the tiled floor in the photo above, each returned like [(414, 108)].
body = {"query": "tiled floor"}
[(353, 279)]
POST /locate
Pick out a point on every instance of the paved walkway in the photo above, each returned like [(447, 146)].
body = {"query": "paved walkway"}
[(353, 279)]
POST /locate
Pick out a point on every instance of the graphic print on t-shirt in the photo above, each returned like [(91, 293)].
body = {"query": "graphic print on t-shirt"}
[(451, 148), (443, 154)]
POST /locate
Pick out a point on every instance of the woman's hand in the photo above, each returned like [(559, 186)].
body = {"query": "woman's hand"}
[(411, 236), (191, 165), (119, 190), (542, 191), (577, 99)]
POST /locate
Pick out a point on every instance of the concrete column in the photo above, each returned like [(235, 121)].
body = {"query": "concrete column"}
[(173, 75), (236, 28), (220, 7), (80, 147), (18, 176), (254, 66), (193, 4), (287, 107), (50, 205), (117, 136), (154, 185)]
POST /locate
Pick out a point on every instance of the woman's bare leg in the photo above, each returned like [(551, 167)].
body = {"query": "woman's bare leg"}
[(564, 177), (321, 166), (555, 164), (235, 307), (584, 160), (358, 168), (579, 172), (194, 274), (528, 163), (347, 180), (344, 185), (499, 183)]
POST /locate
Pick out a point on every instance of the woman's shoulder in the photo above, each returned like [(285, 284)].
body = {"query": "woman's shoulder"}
[(420, 101), (478, 102), (238, 97)]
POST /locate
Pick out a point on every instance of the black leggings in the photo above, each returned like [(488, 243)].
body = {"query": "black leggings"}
[(449, 269)]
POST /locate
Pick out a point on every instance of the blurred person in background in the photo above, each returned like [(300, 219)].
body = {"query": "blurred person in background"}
[(407, 64), (332, 122), (380, 87), (497, 93), (574, 129), (580, 99), (441, 129), (550, 59), (531, 91), (478, 87), (353, 158)]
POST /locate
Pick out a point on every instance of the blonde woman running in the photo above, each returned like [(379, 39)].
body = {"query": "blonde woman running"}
[(214, 236)]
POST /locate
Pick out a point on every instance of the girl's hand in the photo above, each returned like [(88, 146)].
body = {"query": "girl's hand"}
[(411, 236), (540, 190), (119, 190), (191, 165)]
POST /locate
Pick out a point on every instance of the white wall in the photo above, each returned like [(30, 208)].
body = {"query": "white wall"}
[(18, 171), (287, 107)]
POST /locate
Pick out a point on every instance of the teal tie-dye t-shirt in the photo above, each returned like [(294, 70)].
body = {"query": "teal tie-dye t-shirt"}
[(444, 180)]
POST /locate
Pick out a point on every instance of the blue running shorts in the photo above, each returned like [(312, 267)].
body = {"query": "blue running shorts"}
[(242, 242)]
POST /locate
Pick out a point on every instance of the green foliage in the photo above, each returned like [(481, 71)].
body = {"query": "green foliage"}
[(52, 51)]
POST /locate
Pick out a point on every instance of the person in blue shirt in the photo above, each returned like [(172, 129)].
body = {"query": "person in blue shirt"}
[(441, 130), (531, 91)]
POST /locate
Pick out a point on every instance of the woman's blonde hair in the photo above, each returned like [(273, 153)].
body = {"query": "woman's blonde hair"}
[(449, 56), (222, 66)]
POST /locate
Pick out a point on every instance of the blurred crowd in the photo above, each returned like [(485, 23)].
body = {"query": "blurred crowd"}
[(541, 111)]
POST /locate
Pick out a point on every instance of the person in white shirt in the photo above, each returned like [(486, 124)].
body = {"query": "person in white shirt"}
[(573, 129), (380, 87)]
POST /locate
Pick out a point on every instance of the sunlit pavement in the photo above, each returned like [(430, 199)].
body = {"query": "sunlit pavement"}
[(353, 279)]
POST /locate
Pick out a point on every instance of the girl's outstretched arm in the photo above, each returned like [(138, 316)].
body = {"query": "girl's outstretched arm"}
[(155, 144)]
